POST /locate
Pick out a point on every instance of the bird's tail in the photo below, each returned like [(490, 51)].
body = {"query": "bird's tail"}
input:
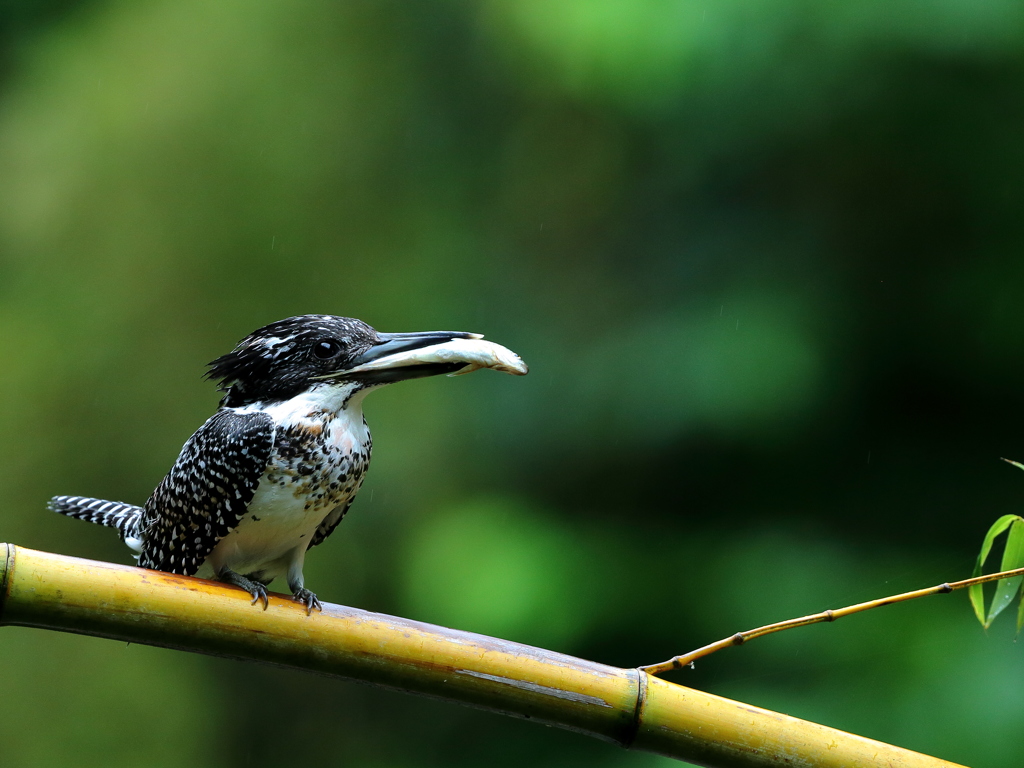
[(126, 518)]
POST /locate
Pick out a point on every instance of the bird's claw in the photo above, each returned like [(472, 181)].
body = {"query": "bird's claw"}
[(308, 599), (256, 589), (259, 592)]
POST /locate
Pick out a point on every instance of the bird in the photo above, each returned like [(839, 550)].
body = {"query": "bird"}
[(272, 472)]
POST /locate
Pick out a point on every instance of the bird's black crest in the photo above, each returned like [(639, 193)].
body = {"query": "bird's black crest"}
[(279, 360)]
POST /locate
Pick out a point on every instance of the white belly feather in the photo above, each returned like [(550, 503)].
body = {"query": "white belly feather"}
[(317, 465)]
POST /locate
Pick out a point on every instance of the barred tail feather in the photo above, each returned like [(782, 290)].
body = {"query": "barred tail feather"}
[(126, 518)]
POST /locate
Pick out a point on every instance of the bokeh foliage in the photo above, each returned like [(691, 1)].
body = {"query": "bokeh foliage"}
[(763, 259)]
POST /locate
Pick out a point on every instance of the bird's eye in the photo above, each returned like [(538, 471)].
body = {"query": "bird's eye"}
[(325, 350)]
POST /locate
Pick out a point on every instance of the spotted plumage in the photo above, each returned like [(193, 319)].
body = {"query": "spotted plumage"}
[(273, 471), (207, 491)]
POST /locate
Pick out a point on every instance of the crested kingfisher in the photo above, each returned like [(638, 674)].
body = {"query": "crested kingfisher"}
[(273, 471)]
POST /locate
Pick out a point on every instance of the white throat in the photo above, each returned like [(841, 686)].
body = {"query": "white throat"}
[(327, 398)]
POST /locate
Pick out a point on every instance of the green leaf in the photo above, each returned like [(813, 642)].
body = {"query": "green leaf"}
[(1013, 557), (1017, 464), (1020, 616), (976, 591)]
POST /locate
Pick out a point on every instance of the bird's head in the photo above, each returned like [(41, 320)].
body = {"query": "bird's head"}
[(286, 358)]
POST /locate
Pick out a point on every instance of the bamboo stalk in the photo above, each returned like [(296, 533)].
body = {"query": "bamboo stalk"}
[(624, 706), (686, 659)]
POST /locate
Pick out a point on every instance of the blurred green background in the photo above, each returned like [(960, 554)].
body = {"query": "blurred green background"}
[(765, 262)]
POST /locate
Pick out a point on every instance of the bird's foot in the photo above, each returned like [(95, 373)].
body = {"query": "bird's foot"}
[(308, 599), (257, 589), (259, 592)]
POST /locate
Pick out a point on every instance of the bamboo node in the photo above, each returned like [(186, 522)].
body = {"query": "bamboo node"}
[(6, 566), (638, 707)]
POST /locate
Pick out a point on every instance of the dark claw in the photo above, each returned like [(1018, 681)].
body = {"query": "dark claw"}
[(308, 599), (259, 592), (257, 589)]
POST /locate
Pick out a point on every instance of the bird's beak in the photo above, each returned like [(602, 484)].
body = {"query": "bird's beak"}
[(400, 356)]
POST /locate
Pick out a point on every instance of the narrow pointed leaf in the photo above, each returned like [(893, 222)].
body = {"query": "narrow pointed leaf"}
[(1020, 615), (977, 595), (1013, 557), (976, 592), (1017, 464)]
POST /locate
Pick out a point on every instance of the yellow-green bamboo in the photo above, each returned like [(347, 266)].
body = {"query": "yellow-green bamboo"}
[(625, 706)]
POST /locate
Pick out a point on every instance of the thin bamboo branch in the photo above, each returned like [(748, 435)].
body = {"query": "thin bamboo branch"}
[(624, 706), (687, 659)]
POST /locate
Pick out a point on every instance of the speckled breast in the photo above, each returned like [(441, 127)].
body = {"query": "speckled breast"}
[(322, 461)]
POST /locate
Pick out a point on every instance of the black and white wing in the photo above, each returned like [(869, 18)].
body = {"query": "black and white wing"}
[(206, 492), (326, 528)]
